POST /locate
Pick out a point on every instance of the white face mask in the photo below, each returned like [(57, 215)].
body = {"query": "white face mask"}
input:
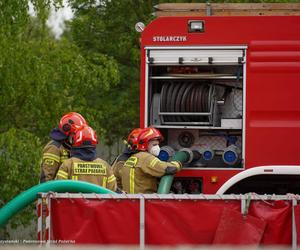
[(155, 150)]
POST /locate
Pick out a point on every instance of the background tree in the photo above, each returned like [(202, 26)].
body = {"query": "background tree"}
[(108, 28), (41, 79), (18, 167)]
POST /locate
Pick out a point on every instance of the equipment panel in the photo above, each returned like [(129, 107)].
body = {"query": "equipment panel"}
[(195, 96)]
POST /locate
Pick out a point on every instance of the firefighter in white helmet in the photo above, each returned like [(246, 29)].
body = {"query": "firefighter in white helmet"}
[(84, 164), (141, 171)]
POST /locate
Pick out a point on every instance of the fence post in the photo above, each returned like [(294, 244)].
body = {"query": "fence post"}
[(142, 222), (40, 219), (48, 220), (294, 228)]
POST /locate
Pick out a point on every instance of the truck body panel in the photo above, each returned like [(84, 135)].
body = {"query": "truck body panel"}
[(271, 110)]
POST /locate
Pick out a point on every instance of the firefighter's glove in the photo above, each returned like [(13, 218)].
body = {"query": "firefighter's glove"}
[(176, 166)]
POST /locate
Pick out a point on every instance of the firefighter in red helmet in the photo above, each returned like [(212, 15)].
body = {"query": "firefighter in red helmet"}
[(57, 150), (131, 147), (141, 171), (84, 164)]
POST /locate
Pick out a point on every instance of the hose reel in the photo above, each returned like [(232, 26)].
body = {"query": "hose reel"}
[(186, 102)]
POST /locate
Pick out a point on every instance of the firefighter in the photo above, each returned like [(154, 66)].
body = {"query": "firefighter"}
[(84, 164), (130, 149), (141, 171), (57, 150)]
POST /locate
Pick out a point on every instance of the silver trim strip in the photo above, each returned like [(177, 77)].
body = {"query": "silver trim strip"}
[(146, 91), (197, 47), (187, 77), (202, 127), (244, 112), (294, 226), (252, 196)]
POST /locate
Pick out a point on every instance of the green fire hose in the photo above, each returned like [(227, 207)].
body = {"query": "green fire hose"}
[(166, 181), (30, 195)]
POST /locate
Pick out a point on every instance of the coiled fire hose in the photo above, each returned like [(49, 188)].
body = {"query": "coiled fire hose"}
[(185, 97)]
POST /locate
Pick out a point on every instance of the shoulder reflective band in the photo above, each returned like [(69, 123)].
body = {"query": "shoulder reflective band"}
[(62, 174), (111, 179), (153, 162)]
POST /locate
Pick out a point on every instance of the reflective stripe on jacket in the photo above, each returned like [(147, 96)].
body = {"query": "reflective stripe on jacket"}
[(97, 172), (141, 171)]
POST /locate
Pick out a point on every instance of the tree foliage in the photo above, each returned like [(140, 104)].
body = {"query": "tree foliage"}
[(18, 171), (41, 79), (108, 28), (44, 79), (18, 166)]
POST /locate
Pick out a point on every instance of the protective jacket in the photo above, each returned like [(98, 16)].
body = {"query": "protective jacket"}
[(118, 165), (54, 154), (96, 171), (141, 171)]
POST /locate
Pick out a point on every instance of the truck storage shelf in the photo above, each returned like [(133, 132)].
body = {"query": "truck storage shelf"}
[(196, 76), (196, 127)]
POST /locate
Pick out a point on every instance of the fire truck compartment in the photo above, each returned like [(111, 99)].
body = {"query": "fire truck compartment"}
[(195, 97)]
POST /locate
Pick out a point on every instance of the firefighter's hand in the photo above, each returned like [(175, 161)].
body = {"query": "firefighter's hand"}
[(177, 164)]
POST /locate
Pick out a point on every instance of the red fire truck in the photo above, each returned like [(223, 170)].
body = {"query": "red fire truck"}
[(226, 86)]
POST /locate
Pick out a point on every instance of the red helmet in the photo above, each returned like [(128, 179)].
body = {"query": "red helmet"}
[(71, 122), (132, 139), (146, 135), (84, 137)]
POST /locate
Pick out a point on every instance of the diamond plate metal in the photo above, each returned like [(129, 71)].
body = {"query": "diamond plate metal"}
[(233, 107), (215, 142)]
